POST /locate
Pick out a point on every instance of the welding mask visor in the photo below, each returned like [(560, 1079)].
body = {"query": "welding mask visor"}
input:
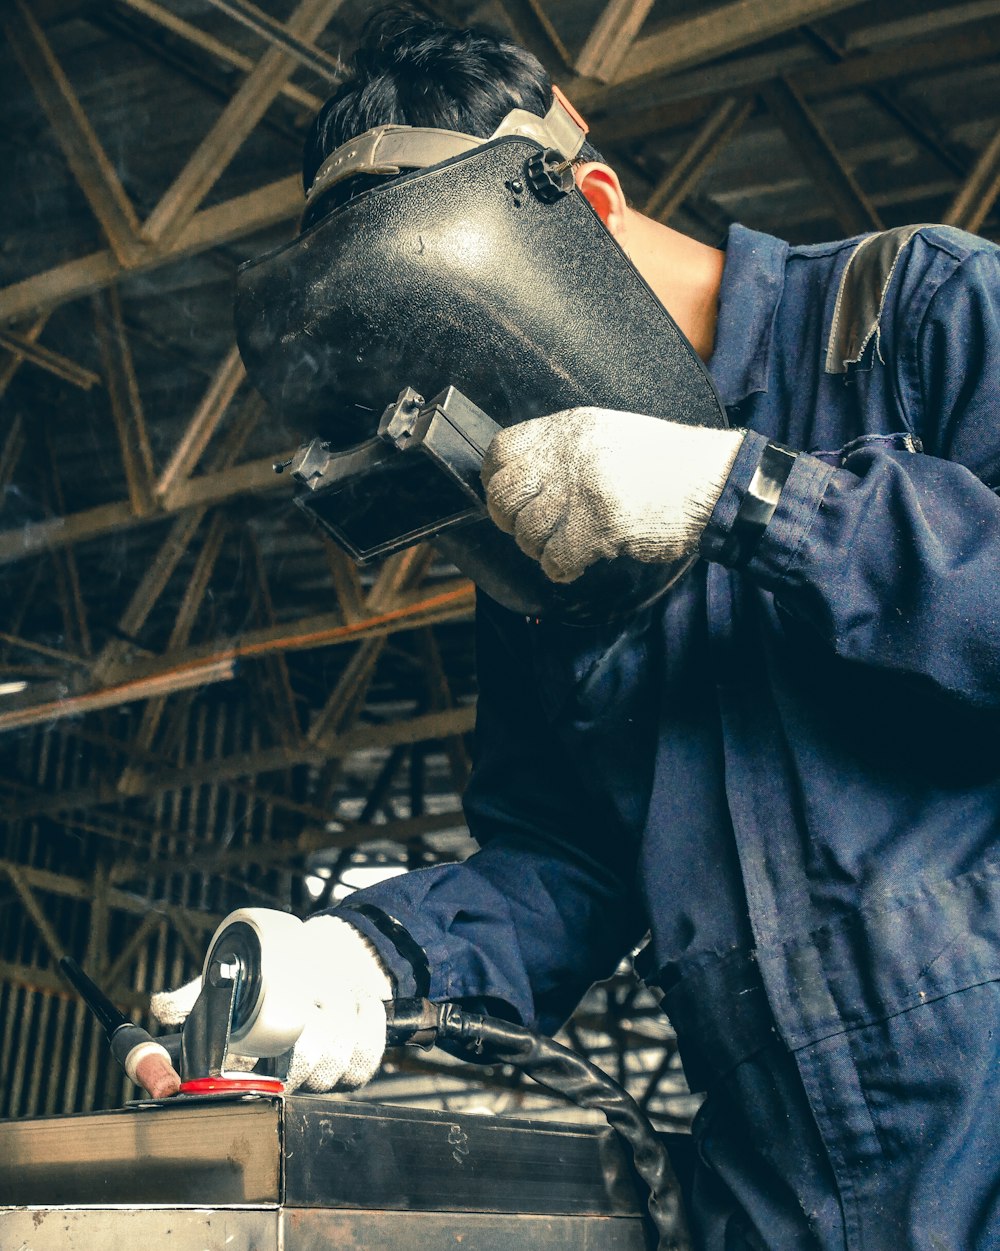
[(478, 289)]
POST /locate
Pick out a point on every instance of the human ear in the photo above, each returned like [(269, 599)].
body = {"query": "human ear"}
[(599, 184)]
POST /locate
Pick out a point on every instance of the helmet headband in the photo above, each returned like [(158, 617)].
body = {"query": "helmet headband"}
[(389, 150)]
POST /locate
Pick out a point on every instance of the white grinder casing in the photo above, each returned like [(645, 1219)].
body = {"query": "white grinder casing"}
[(272, 945)]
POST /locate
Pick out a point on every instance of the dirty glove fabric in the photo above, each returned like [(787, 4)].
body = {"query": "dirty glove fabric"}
[(344, 1036), (591, 483), (344, 984)]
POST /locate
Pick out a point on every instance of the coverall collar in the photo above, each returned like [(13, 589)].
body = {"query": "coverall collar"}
[(752, 282)]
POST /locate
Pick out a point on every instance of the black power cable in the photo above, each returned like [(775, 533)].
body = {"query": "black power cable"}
[(563, 1072)]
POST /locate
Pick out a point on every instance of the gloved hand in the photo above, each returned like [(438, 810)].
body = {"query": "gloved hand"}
[(343, 985), (588, 483)]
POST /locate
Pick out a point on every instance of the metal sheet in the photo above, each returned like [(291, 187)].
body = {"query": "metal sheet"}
[(377, 1156), (312, 1229), (317, 1230), (314, 1151), (199, 1153), (139, 1229)]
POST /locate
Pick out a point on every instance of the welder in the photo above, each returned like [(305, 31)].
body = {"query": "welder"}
[(783, 768)]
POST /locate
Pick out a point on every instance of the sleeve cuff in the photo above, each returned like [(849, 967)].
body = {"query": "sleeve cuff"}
[(793, 516), (400, 969), (720, 523)]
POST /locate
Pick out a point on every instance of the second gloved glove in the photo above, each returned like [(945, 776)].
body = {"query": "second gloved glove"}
[(592, 483)]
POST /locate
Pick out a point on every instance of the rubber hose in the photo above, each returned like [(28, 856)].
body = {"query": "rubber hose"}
[(565, 1073)]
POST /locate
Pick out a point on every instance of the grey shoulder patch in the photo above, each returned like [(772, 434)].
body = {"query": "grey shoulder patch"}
[(861, 296)]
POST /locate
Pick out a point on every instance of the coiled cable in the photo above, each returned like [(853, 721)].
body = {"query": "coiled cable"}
[(564, 1073)]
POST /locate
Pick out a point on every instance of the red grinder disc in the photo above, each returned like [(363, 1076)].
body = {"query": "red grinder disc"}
[(230, 1085)]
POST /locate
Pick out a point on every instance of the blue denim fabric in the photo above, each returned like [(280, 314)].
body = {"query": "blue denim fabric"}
[(795, 765)]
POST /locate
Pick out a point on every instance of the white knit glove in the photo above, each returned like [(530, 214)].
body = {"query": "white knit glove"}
[(344, 1036), (343, 987), (588, 483)]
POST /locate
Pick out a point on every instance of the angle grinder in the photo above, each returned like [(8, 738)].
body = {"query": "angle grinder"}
[(249, 1011)]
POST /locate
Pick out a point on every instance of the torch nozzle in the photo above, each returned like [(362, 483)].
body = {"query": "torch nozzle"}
[(147, 1061)]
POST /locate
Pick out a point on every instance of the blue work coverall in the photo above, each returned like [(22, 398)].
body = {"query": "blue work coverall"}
[(789, 774)]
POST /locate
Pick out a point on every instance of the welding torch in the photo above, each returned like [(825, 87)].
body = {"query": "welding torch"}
[(146, 1060)]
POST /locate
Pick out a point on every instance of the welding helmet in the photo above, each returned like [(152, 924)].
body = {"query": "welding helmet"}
[(474, 287)]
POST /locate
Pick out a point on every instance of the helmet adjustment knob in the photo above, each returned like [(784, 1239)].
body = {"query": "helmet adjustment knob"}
[(549, 175)]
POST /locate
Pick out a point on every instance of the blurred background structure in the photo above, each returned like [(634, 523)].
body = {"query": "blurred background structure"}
[(203, 704)]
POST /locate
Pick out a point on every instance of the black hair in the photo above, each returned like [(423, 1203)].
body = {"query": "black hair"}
[(411, 70)]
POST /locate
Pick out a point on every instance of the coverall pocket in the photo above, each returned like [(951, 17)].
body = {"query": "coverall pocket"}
[(763, 1179), (930, 1079), (894, 1018)]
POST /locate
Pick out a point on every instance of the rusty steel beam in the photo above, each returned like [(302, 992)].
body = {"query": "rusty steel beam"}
[(400, 572), (163, 565), (611, 38), (281, 36), (180, 201), (919, 127), (200, 666), (147, 785), (194, 594), (342, 709), (345, 579), (626, 105), (214, 488), (294, 851), (533, 28), (27, 879), (281, 709), (210, 488), (53, 653), (197, 583), (809, 139), (126, 403), (73, 132), (215, 47), (626, 111), (705, 36), (13, 445), (939, 17), (157, 573), (160, 570), (977, 195), (48, 982), (24, 348), (11, 365), (130, 949), (17, 878), (233, 219), (178, 678), (439, 693), (684, 174), (203, 424), (68, 585)]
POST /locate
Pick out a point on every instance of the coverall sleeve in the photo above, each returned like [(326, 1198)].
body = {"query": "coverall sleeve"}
[(547, 906), (893, 555)]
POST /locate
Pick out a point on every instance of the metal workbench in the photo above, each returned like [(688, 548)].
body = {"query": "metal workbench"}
[(309, 1172)]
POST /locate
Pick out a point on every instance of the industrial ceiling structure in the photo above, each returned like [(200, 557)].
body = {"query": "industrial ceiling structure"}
[(203, 704)]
